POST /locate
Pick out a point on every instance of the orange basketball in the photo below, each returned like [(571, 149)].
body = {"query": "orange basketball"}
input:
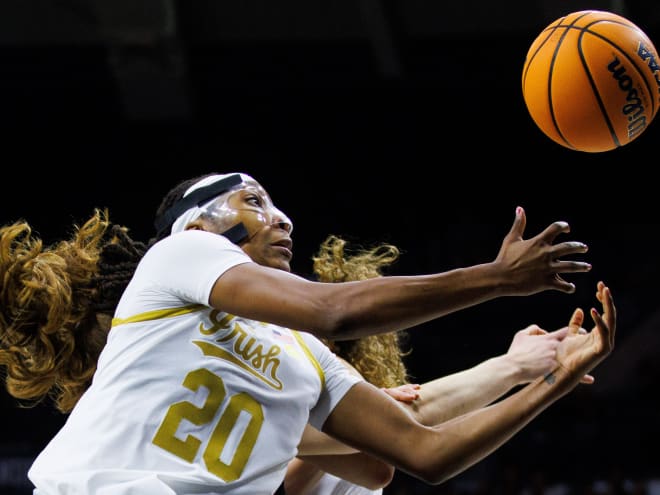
[(591, 81)]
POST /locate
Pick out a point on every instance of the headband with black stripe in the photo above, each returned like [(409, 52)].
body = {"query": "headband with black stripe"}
[(195, 199)]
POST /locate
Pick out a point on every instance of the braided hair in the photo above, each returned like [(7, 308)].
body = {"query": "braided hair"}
[(56, 305), (378, 358)]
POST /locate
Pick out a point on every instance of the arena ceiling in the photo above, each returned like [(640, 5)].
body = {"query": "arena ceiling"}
[(152, 49)]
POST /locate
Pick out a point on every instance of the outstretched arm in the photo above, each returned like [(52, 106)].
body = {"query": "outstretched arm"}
[(384, 304), (435, 454), (531, 354)]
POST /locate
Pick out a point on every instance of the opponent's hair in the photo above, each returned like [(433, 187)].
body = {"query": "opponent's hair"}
[(56, 305), (378, 358)]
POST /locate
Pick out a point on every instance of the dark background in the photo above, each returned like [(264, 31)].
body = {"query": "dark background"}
[(381, 121)]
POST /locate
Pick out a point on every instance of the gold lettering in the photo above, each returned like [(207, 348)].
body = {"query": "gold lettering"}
[(263, 361), (256, 360), (217, 325)]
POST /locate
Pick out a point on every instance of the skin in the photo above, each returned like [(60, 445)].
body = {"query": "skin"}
[(437, 453), (532, 353), (326, 454), (303, 475), (267, 291)]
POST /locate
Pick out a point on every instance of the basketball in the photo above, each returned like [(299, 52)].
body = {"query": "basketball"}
[(591, 81)]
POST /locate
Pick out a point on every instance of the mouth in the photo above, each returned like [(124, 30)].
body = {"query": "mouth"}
[(284, 246)]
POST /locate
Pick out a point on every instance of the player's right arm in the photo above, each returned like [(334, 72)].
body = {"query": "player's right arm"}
[(384, 304)]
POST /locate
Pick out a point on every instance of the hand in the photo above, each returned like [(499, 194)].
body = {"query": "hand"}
[(534, 265), (580, 352), (533, 351), (404, 393)]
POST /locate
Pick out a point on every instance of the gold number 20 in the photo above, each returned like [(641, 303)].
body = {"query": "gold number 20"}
[(187, 449)]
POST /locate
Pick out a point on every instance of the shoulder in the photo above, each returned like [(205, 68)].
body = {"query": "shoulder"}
[(350, 367), (195, 244), (189, 238), (190, 259)]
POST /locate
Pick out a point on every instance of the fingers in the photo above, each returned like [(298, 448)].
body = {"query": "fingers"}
[(519, 222), (570, 266), (564, 249), (567, 248), (553, 230), (587, 379), (558, 251), (562, 285), (558, 283), (605, 324), (410, 388), (602, 327), (599, 288), (576, 321), (609, 311), (534, 330), (403, 393)]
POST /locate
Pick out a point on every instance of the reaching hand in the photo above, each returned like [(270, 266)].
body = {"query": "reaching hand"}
[(534, 265), (534, 352), (580, 351)]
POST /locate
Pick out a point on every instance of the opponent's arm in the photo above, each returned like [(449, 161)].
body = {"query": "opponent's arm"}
[(531, 354)]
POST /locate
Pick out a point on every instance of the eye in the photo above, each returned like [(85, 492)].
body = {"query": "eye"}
[(254, 200)]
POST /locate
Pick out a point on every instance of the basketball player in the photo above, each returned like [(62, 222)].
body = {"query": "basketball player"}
[(211, 369)]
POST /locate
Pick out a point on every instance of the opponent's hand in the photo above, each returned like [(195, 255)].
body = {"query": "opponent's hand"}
[(533, 351), (534, 265)]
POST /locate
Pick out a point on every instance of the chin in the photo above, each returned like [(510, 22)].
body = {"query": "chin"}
[(277, 263), (284, 265)]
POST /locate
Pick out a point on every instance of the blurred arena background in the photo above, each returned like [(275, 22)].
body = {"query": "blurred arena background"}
[(399, 121)]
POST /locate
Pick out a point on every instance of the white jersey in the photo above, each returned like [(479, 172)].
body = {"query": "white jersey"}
[(329, 484), (187, 399)]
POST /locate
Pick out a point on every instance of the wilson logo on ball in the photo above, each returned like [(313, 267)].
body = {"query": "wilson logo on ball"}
[(633, 109)]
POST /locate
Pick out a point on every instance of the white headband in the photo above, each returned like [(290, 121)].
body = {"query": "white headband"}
[(193, 213)]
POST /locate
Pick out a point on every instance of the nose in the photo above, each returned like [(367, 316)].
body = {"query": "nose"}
[(282, 221), (284, 226)]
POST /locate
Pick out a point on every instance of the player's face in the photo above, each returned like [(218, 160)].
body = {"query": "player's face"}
[(269, 229)]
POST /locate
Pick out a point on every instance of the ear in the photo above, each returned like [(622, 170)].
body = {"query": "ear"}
[(197, 224)]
